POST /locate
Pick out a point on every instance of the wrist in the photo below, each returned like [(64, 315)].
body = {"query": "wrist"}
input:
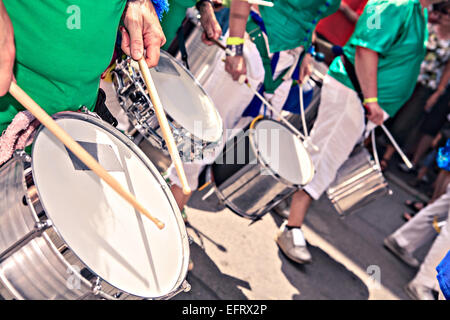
[(370, 100), (235, 50)]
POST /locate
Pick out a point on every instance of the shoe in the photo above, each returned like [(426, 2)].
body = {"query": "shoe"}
[(293, 244), (283, 208), (403, 167), (400, 252), (419, 292)]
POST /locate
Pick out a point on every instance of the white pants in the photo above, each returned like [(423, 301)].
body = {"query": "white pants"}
[(338, 127), (231, 99), (419, 230)]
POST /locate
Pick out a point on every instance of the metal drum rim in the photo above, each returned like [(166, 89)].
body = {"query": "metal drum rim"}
[(197, 83), (117, 134)]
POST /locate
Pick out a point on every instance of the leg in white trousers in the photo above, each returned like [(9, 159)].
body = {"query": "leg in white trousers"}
[(419, 230)]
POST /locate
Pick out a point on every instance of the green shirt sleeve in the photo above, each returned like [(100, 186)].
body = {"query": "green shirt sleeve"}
[(378, 26)]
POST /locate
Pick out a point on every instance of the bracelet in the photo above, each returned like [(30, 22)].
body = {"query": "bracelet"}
[(235, 41), (370, 100), (201, 2), (236, 50)]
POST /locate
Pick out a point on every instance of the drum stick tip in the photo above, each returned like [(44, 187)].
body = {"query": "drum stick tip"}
[(160, 225)]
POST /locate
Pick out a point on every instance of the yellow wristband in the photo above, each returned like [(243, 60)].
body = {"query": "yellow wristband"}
[(234, 41), (369, 100)]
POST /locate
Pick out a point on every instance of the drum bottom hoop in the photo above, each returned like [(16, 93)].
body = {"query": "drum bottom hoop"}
[(249, 192)]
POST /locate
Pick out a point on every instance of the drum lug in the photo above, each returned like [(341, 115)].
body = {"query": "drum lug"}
[(21, 154), (97, 286), (39, 228), (89, 112), (186, 286), (190, 239)]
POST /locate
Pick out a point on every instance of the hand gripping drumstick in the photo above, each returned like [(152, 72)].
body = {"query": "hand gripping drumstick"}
[(78, 150), (164, 124)]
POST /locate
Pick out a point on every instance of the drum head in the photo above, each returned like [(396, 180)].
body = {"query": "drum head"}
[(185, 100), (280, 150), (121, 246)]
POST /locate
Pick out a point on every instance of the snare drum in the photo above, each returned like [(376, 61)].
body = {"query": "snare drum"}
[(65, 234), (358, 182), (260, 167), (195, 122)]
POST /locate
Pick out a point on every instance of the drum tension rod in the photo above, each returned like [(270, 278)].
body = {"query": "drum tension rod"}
[(39, 228)]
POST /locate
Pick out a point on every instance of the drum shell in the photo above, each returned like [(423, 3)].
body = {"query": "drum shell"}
[(246, 185), (358, 182)]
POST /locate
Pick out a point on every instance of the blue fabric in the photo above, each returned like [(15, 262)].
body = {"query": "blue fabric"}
[(161, 6), (443, 275), (443, 157), (293, 101)]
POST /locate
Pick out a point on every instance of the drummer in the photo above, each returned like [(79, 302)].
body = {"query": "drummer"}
[(59, 62), (270, 53), (383, 56)]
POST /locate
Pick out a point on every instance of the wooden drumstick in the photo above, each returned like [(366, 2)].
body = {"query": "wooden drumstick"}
[(78, 150), (164, 124)]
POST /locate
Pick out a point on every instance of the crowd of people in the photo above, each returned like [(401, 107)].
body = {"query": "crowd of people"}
[(388, 62)]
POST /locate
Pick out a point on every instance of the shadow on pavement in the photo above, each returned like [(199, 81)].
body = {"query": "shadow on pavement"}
[(210, 204), (208, 282), (323, 278)]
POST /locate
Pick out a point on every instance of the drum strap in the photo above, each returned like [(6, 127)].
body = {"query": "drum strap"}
[(255, 28), (182, 46)]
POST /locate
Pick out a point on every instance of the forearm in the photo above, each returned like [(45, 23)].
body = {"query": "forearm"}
[(366, 66), (239, 12)]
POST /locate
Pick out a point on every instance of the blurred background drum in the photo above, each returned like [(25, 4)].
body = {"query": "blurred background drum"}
[(65, 234), (195, 122), (260, 167)]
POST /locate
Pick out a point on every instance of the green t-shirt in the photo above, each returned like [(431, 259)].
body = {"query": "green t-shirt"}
[(172, 20), (397, 30), (290, 23), (62, 48)]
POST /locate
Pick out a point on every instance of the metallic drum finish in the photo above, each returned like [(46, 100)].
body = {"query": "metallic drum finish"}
[(35, 263), (358, 182), (247, 187)]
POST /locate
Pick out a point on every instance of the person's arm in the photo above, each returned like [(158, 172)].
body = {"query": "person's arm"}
[(239, 13), (7, 50), (366, 67), (212, 29), (445, 78), (349, 13), (143, 32)]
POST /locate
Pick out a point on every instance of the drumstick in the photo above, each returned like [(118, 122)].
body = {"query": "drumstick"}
[(260, 2), (164, 124), (286, 122), (77, 150)]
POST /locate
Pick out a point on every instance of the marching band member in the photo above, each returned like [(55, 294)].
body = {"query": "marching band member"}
[(268, 47), (59, 62), (384, 56)]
